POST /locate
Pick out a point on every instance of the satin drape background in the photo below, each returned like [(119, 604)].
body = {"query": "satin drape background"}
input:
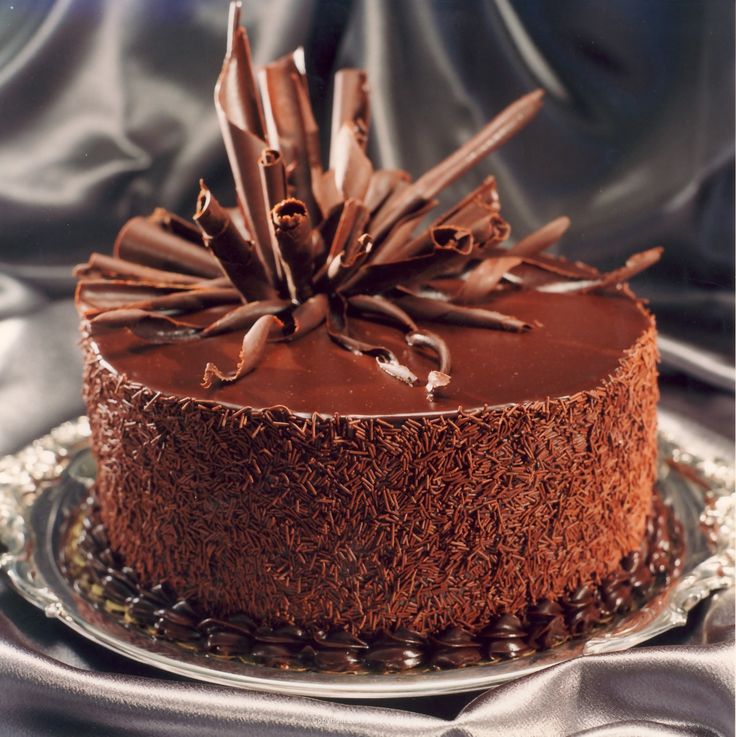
[(106, 111)]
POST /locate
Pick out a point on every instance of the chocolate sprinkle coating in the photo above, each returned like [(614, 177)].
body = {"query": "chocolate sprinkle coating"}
[(535, 627), (368, 523)]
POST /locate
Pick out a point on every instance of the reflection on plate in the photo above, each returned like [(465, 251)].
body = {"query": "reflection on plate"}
[(44, 483)]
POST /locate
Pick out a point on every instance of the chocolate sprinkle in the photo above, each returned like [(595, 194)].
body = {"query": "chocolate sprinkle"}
[(536, 627)]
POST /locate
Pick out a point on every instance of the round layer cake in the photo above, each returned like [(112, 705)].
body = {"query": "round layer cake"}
[(317, 496), (320, 491)]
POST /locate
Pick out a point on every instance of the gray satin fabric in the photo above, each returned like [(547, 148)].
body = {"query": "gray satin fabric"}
[(107, 112)]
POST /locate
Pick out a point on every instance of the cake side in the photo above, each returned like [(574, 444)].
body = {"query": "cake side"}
[(365, 522)]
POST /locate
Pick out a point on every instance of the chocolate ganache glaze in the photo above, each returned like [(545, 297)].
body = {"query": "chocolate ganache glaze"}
[(316, 410), (580, 344)]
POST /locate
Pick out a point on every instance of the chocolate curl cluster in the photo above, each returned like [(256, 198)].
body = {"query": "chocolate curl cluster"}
[(244, 133), (308, 246), (293, 230), (237, 256)]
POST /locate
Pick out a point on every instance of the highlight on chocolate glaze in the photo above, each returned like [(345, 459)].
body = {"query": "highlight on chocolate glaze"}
[(308, 247)]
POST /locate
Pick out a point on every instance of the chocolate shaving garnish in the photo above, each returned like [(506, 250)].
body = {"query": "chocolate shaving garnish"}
[(237, 256), (97, 295), (351, 108), (483, 279), (380, 306), (303, 240), (177, 225), (273, 177), (306, 317), (436, 310), (103, 296), (488, 139), (448, 245), (541, 239), (143, 241), (147, 325), (353, 169), (479, 202), (381, 187), (634, 265), (350, 249), (337, 328), (241, 122), (254, 345), (99, 264), (245, 316), (395, 246), (291, 125), (294, 235)]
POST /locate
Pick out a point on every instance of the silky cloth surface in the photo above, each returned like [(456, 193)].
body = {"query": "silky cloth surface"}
[(107, 112)]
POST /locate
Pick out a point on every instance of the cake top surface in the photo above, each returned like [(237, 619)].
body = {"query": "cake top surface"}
[(342, 289), (582, 341)]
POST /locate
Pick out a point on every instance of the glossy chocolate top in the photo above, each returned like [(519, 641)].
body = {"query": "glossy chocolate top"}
[(579, 344)]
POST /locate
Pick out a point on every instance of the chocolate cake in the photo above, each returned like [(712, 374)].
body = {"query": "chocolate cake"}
[(333, 411)]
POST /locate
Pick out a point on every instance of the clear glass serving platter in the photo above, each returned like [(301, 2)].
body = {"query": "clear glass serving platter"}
[(41, 485)]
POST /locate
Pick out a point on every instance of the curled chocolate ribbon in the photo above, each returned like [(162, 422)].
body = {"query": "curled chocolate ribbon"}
[(308, 247)]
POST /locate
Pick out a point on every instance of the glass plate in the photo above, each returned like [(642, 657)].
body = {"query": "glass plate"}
[(41, 484)]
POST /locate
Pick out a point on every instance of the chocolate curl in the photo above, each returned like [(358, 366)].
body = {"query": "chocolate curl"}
[(237, 256), (488, 139), (489, 232), (634, 265), (435, 310), (393, 248), (103, 296), (353, 169), (351, 107), (479, 212), (273, 182), (177, 225), (243, 317), (243, 131), (273, 177), (306, 317), (337, 329), (484, 278), (291, 125), (326, 193), (569, 269), (450, 245), (382, 185), (436, 380), (345, 268), (100, 264), (144, 241), (147, 325), (93, 296), (368, 304), (392, 313), (541, 239), (293, 230), (350, 226), (480, 202), (251, 353)]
